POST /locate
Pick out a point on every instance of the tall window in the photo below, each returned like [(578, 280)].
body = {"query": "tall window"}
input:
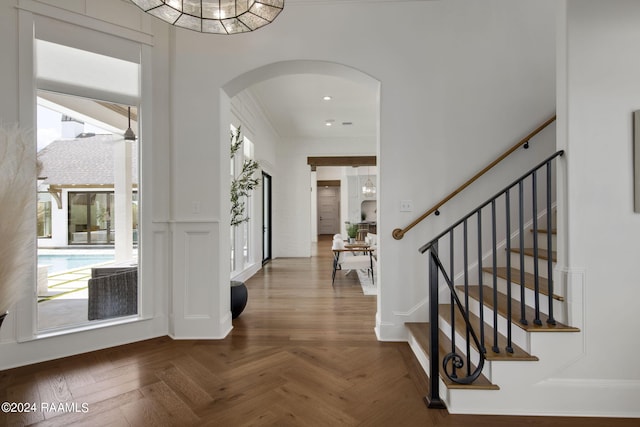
[(241, 236), (87, 191), (247, 255), (232, 230)]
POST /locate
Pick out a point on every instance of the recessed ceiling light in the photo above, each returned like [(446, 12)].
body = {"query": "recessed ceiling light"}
[(326, 98), (347, 123), (329, 122)]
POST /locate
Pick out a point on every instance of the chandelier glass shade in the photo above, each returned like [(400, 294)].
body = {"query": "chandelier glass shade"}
[(214, 16), (369, 188)]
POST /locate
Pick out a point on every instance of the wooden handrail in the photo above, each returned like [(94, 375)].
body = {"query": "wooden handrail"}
[(399, 233)]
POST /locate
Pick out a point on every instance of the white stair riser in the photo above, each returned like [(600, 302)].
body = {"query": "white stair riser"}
[(461, 345), (423, 358), (424, 361), (529, 263), (542, 241), (529, 297), (487, 277), (519, 336)]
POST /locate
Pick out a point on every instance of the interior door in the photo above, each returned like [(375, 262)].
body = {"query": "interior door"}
[(328, 210), (266, 218)]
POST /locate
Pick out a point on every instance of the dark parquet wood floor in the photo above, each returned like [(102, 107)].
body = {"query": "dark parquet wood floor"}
[(302, 354)]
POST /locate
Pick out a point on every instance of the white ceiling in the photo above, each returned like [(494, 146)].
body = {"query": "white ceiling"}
[(295, 107)]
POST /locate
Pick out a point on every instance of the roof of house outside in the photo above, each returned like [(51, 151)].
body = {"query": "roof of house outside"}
[(82, 161)]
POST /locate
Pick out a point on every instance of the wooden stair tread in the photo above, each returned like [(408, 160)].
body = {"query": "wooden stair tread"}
[(487, 294), (421, 332), (518, 353), (545, 231), (529, 280), (542, 253)]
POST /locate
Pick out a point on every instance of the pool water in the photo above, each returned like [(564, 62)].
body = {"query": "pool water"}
[(60, 263)]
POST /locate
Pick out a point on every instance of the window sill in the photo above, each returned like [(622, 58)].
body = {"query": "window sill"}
[(88, 327)]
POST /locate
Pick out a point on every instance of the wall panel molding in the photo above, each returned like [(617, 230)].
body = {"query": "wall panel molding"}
[(196, 296)]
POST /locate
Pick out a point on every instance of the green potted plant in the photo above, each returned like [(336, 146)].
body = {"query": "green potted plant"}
[(242, 186), (352, 231)]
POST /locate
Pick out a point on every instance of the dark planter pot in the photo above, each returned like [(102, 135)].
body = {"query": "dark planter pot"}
[(239, 296)]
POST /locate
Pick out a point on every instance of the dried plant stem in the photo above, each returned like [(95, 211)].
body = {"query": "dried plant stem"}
[(18, 174)]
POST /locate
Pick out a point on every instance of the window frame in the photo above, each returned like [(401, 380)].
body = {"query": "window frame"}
[(35, 18), (243, 235)]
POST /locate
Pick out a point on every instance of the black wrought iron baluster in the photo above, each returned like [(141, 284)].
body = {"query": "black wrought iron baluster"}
[(507, 204), (551, 320), (466, 290), (536, 267), (523, 313), (483, 349), (453, 312), (495, 347)]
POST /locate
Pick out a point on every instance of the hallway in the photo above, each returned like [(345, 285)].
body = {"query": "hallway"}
[(301, 354)]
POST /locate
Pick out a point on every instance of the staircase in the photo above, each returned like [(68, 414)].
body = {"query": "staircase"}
[(499, 309)]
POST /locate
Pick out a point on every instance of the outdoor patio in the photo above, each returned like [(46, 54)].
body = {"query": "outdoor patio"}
[(65, 302)]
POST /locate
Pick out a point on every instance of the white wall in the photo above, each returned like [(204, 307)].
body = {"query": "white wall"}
[(487, 80), (598, 87), (592, 373), (328, 173)]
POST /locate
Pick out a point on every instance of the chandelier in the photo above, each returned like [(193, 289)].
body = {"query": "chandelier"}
[(369, 189), (214, 16)]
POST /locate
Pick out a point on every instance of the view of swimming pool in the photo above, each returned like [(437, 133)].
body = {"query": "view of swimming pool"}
[(64, 262)]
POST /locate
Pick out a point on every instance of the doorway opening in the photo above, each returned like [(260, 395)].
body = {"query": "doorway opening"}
[(293, 110), (266, 218)]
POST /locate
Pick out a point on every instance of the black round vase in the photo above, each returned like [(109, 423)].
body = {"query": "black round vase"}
[(239, 296)]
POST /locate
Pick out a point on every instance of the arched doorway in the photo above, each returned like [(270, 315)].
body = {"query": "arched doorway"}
[(292, 177)]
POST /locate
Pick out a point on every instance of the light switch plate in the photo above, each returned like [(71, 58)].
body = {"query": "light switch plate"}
[(406, 205)]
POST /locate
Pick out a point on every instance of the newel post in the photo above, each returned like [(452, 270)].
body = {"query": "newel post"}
[(433, 398)]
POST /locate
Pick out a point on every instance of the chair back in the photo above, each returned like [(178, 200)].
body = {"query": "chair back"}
[(337, 244)]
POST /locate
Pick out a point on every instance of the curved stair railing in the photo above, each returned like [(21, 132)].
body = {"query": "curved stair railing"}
[(453, 361), (463, 363)]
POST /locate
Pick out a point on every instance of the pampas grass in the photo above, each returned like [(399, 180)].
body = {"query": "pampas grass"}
[(18, 173)]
